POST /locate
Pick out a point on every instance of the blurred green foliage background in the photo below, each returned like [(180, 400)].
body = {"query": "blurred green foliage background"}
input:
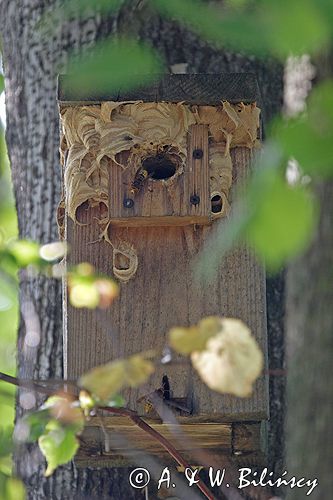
[(8, 319), (8, 292)]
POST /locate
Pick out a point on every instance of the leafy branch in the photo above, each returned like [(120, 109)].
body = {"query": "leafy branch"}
[(68, 422), (25, 384), (86, 287)]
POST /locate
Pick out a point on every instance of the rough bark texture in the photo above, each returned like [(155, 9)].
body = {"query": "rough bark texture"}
[(310, 345), (275, 293), (33, 55)]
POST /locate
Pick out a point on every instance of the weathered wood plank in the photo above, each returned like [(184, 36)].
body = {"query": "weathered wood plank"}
[(116, 441), (119, 442), (164, 203), (164, 294), (191, 88), (197, 182), (246, 437)]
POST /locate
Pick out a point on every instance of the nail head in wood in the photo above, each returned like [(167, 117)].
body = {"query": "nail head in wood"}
[(128, 203), (195, 199), (197, 154)]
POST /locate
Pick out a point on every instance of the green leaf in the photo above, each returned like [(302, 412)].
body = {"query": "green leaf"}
[(58, 445), (228, 236), (117, 401), (263, 27), (25, 252), (198, 16), (15, 489), (112, 65), (6, 441), (309, 138), (6, 449), (313, 151), (214, 24), (231, 232), (275, 219), (3, 480), (35, 424), (326, 8), (2, 83), (87, 403), (294, 30), (11, 488), (7, 293), (283, 222)]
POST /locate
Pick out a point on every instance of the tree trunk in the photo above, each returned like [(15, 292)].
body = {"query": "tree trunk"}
[(33, 55), (310, 346)]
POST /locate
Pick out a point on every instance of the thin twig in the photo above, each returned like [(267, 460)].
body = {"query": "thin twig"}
[(162, 440), (35, 385), (26, 384)]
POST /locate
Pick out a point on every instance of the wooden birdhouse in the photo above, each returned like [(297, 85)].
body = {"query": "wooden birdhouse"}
[(148, 177)]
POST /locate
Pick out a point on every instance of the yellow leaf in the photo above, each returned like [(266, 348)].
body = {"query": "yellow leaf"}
[(86, 401), (186, 340), (106, 380)]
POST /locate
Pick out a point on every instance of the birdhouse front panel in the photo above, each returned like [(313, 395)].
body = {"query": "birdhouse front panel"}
[(148, 180)]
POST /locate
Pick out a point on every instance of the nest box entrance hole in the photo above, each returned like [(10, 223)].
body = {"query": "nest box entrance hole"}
[(216, 204), (159, 167), (121, 261)]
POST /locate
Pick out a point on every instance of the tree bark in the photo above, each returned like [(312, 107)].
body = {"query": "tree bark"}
[(33, 55), (310, 346)]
